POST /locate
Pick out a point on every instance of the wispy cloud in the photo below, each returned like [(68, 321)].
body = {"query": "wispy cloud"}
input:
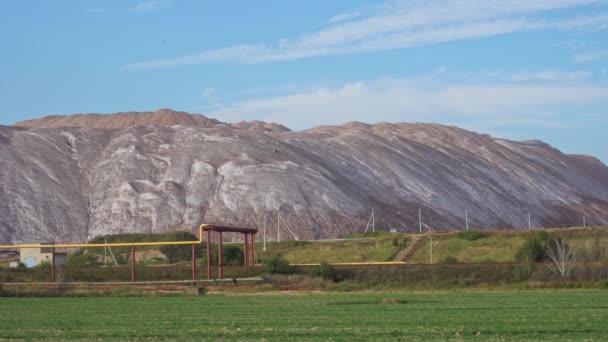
[(538, 75), (344, 17), (152, 5), (425, 98), (590, 56), (402, 24)]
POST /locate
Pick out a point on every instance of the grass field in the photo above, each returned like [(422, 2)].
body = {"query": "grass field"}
[(515, 316)]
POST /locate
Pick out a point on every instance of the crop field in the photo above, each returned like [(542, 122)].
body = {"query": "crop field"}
[(516, 316)]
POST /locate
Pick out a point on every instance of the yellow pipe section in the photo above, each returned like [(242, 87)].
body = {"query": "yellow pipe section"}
[(119, 244), (379, 263)]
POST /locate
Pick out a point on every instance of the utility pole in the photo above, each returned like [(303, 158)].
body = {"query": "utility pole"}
[(431, 246), (373, 221), (466, 217), (264, 245), (529, 222), (584, 222), (279, 225), (420, 219)]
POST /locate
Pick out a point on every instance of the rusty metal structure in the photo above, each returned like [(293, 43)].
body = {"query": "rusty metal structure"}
[(246, 231), (209, 228)]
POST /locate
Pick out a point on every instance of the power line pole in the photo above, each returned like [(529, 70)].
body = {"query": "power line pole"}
[(584, 222), (466, 217), (279, 225), (373, 221), (431, 246), (264, 245), (529, 222), (420, 219)]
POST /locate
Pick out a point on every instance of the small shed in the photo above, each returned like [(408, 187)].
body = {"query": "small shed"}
[(32, 257)]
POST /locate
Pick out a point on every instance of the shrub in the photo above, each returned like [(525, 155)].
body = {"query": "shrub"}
[(535, 248), (277, 265), (523, 270), (177, 253), (449, 260), (80, 259), (325, 271), (470, 235), (232, 256), (44, 265)]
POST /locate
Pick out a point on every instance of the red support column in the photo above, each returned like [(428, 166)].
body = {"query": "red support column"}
[(252, 249), (245, 263), (208, 254), (193, 262), (53, 265), (219, 253), (132, 263)]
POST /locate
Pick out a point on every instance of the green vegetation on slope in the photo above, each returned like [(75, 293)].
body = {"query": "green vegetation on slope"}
[(369, 247), (362, 317), (380, 248), (498, 246)]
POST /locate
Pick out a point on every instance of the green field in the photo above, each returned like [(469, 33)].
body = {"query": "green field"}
[(514, 316)]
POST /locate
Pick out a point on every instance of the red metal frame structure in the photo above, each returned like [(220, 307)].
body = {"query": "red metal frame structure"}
[(246, 231), (209, 228)]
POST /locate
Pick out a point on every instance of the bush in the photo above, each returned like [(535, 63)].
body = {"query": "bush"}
[(80, 259), (177, 253), (523, 270), (470, 235), (232, 256), (44, 265), (535, 248), (276, 265), (326, 271), (449, 260)]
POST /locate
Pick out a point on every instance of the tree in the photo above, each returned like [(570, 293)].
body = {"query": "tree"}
[(561, 257)]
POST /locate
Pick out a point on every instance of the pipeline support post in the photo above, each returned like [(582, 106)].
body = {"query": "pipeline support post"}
[(53, 265), (252, 249), (132, 263), (193, 262), (219, 254), (245, 252), (208, 255)]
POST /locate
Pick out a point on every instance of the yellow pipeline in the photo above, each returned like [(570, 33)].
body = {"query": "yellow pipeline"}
[(120, 244), (379, 263)]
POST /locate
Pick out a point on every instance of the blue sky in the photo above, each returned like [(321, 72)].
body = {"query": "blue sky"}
[(513, 69)]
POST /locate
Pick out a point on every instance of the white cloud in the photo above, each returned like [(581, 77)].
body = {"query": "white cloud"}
[(485, 104), (441, 70), (540, 75), (152, 5), (212, 101), (591, 56), (402, 24), (344, 17)]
